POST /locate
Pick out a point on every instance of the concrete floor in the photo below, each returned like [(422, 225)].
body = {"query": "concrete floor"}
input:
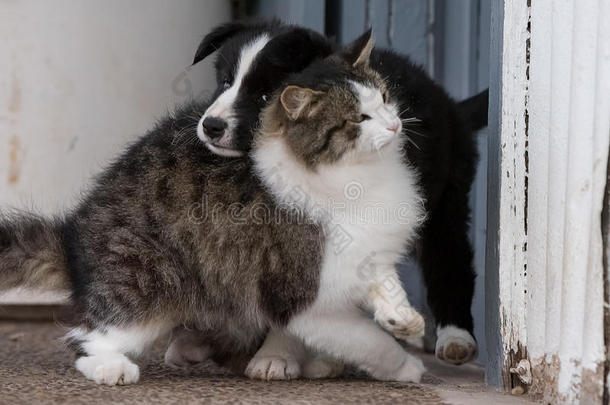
[(35, 368)]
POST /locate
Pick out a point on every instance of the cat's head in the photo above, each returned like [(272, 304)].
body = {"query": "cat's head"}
[(336, 109)]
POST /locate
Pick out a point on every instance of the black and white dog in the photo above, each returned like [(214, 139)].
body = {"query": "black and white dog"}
[(253, 60)]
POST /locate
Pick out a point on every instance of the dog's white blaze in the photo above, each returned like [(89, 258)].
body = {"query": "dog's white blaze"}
[(223, 106)]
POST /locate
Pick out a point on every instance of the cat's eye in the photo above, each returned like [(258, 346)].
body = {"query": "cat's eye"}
[(264, 98), (358, 119), (386, 96), (226, 83)]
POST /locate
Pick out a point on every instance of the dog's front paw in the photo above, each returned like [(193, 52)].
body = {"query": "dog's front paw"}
[(403, 322), (455, 345), (273, 368)]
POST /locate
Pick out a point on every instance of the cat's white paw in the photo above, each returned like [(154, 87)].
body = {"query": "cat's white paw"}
[(403, 321), (183, 353), (455, 345), (114, 369), (411, 371), (320, 367), (273, 368), (416, 342)]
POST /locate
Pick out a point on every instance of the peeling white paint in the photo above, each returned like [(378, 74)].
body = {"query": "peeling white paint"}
[(554, 311), (512, 230)]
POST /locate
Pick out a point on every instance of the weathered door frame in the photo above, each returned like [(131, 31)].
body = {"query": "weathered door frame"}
[(548, 153)]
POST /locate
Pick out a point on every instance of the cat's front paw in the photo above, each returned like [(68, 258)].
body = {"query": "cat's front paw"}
[(273, 368), (411, 371), (109, 369), (403, 322)]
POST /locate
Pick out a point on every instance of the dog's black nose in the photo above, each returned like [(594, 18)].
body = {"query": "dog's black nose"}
[(214, 127)]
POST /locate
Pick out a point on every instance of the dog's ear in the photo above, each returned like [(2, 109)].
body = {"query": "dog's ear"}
[(294, 50), (216, 38), (359, 51)]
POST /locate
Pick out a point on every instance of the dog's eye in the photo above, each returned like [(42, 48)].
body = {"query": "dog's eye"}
[(226, 83), (264, 98)]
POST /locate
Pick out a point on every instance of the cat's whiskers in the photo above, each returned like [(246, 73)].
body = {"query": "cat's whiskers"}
[(406, 128), (412, 142), (404, 111)]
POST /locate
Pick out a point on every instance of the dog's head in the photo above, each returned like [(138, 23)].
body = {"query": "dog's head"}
[(252, 62)]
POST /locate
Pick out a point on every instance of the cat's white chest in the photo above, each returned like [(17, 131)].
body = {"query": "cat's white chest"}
[(373, 226), (370, 213)]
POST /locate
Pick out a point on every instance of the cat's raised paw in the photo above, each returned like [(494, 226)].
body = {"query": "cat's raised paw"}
[(109, 369), (455, 345), (273, 368), (403, 322)]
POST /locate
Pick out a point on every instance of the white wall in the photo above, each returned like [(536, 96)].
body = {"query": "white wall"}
[(81, 79)]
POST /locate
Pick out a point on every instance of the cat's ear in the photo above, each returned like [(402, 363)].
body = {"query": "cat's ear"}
[(358, 52), (297, 100)]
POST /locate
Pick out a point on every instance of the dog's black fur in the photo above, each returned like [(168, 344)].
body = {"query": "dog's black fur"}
[(290, 50), (442, 145)]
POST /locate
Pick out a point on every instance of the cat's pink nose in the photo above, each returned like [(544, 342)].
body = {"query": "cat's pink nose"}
[(394, 127)]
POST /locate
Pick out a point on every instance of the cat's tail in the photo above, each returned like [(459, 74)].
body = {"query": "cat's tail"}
[(474, 110), (32, 253)]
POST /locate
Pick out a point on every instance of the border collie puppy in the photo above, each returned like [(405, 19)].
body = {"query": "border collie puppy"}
[(439, 142)]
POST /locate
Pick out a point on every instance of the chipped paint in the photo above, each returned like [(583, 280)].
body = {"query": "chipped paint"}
[(545, 386), (554, 128), (606, 263), (523, 371), (513, 230)]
